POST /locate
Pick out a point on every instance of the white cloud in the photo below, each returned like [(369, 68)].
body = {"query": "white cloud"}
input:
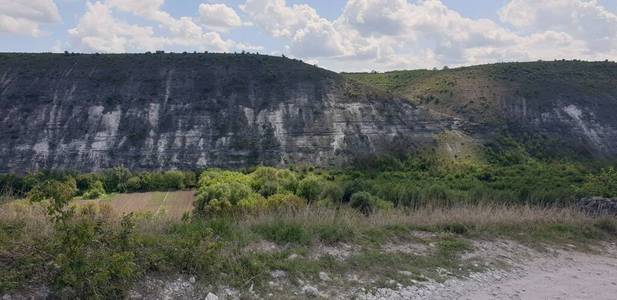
[(219, 17), (26, 16), (585, 20), (387, 34), (100, 30), (310, 35)]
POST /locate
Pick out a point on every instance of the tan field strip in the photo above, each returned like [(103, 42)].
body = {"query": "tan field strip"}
[(172, 204)]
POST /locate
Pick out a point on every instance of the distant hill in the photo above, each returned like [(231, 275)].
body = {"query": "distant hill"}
[(551, 108), (188, 111), (162, 111)]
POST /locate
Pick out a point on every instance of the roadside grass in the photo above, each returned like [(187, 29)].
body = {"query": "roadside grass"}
[(221, 251)]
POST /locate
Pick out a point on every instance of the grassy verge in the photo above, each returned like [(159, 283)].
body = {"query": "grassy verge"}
[(244, 251)]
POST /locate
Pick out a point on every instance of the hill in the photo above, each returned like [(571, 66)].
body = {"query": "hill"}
[(551, 108), (162, 111)]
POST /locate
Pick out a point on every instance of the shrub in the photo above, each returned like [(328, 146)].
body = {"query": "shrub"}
[(268, 181), (367, 203), (115, 179), (134, 184), (284, 232), (59, 194), (173, 180), (228, 193), (285, 201), (334, 233), (310, 188), (95, 191), (253, 203), (333, 192), (603, 184), (213, 176)]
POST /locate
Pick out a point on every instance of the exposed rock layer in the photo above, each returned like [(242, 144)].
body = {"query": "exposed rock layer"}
[(161, 111)]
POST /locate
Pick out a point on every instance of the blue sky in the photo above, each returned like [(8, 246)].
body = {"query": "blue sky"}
[(344, 35)]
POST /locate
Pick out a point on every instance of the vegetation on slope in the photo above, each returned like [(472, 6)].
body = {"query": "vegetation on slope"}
[(472, 91), (88, 251), (521, 101)]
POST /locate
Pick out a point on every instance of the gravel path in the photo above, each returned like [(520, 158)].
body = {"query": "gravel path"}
[(556, 275)]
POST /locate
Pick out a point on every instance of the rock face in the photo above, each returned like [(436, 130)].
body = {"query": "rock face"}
[(598, 206), (163, 111), (554, 108)]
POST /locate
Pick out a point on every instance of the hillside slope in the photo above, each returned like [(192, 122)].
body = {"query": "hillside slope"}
[(554, 108), (161, 111)]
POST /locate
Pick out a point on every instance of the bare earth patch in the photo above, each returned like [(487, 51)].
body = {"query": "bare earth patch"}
[(171, 204), (532, 275)]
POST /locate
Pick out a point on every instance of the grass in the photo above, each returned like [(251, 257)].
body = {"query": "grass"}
[(221, 250)]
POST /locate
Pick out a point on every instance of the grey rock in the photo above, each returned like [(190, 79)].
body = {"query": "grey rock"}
[(310, 291), (278, 274), (211, 296), (598, 206), (324, 276), (89, 112)]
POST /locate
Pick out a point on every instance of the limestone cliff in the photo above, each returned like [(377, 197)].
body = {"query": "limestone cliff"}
[(557, 108), (163, 111)]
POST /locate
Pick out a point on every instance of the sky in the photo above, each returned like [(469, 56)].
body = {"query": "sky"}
[(342, 35)]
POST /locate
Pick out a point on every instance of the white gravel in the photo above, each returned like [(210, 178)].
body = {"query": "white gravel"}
[(556, 275)]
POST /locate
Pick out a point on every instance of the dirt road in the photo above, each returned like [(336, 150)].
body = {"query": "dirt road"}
[(533, 275)]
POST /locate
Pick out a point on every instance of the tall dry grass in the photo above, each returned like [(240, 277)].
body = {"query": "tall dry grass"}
[(482, 215)]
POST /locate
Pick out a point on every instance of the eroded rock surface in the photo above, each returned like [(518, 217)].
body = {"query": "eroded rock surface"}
[(162, 111)]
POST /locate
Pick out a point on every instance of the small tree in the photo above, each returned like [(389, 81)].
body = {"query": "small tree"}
[(309, 188), (603, 184), (95, 191), (59, 194), (367, 204)]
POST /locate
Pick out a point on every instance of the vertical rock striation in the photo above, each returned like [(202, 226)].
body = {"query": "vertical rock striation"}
[(162, 111)]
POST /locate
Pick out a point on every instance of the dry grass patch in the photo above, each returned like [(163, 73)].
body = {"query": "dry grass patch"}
[(169, 204)]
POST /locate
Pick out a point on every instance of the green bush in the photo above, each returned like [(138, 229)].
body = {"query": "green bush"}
[(228, 193), (285, 201), (603, 184), (268, 181), (95, 191), (310, 188), (93, 262), (284, 233), (115, 179), (134, 184), (367, 203), (333, 192)]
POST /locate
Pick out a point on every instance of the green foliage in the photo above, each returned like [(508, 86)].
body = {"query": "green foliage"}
[(603, 184), (134, 184), (284, 233), (333, 192), (367, 203), (310, 188), (225, 193), (333, 233), (268, 181), (92, 261), (285, 201), (115, 179), (95, 191), (59, 194)]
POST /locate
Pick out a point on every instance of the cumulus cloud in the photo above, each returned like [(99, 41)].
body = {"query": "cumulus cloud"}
[(386, 34), (585, 20), (26, 16), (100, 30), (219, 17), (310, 35)]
